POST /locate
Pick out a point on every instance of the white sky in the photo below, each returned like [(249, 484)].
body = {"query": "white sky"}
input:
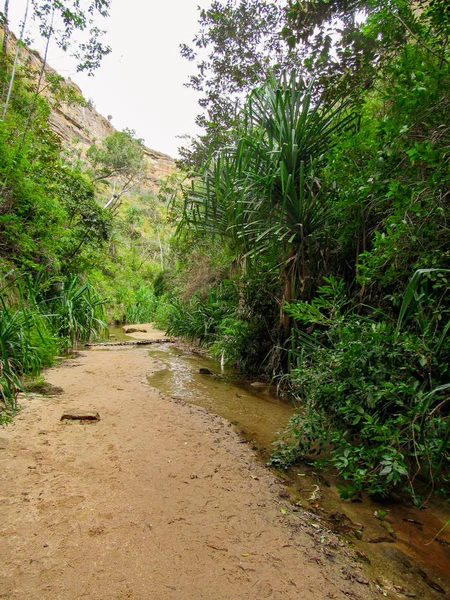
[(141, 82)]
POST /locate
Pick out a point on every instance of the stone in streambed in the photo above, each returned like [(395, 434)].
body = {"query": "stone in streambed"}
[(204, 371), (80, 415), (259, 385)]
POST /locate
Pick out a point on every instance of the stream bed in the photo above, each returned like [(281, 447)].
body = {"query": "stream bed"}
[(393, 537), (256, 412)]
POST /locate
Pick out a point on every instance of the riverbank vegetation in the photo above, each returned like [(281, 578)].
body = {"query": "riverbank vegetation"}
[(311, 232), (80, 239), (314, 227)]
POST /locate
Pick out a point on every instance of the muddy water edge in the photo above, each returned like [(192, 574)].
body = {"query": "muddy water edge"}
[(397, 540)]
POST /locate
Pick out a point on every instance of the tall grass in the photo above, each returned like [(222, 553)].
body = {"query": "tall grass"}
[(16, 353), (142, 307), (197, 318), (78, 312)]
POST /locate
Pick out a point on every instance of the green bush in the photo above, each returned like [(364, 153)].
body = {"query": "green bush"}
[(162, 314), (371, 403), (141, 307), (199, 318), (231, 340), (237, 319)]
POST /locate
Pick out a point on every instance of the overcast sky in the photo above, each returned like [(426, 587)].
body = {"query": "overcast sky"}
[(141, 82)]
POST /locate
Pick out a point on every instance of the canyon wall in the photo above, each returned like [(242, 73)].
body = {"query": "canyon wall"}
[(77, 122)]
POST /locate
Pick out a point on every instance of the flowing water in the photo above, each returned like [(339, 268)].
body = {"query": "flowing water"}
[(399, 544), (257, 414)]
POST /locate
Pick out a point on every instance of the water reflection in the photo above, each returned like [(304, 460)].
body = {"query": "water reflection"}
[(258, 412)]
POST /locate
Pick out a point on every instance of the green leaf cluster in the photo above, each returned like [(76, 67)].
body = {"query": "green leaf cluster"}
[(368, 394), (40, 317), (338, 186)]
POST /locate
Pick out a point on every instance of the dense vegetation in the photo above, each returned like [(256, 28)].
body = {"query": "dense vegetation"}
[(80, 239), (312, 228), (315, 226)]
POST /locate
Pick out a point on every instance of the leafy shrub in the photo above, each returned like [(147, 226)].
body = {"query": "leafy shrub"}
[(162, 314), (370, 403), (197, 318), (160, 283), (141, 308), (231, 340), (237, 319)]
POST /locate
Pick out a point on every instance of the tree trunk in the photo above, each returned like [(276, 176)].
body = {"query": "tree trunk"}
[(5, 33), (16, 57), (288, 296)]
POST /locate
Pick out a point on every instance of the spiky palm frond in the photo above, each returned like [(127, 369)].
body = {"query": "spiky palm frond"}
[(266, 189)]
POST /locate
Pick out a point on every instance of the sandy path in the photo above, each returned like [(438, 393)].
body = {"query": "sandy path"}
[(158, 500)]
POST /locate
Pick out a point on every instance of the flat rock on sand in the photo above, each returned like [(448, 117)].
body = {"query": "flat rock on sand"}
[(158, 500), (80, 415)]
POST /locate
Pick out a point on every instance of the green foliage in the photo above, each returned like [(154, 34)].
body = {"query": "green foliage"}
[(120, 154), (51, 215), (369, 395), (137, 248), (294, 198), (231, 340), (397, 195), (266, 189), (237, 43), (160, 283), (20, 352), (38, 318), (341, 216), (48, 214), (235, 320), (198, 319), (141, 307), (78, 311), (119, 161), (266, 195), (62, 235), (75, 17), (161, 317)]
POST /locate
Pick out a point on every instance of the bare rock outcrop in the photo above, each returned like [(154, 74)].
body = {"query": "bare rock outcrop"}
[(78, 124)]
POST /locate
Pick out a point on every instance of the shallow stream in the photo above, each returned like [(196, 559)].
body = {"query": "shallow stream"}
[(257, 413), (398, 542)]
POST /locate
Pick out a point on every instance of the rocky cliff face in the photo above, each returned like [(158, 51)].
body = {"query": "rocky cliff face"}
[(79, 125)]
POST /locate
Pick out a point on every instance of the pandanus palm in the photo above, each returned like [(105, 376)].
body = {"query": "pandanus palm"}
[(266, 191)]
